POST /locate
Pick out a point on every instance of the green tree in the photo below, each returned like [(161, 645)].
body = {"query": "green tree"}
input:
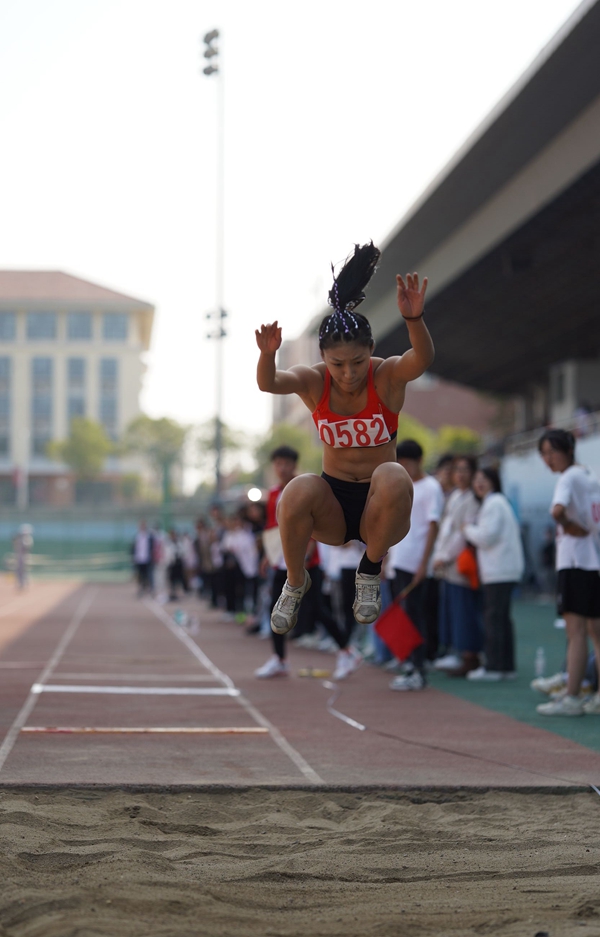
[(459, 440), (232, 440), (85, 450), (409, 428), (161, 441)]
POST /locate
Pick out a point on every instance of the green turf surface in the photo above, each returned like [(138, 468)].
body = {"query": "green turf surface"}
[(534, 624)]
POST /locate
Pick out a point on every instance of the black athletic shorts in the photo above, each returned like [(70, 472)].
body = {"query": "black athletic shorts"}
[(352, 497), (579, 592)]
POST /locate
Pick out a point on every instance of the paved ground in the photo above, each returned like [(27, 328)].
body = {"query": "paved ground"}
[(102, 660)]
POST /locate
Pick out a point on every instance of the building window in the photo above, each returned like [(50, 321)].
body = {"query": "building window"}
[(114, 326), (8, 326), (41, 325), (76, 374), (109, 381), (5, 391), (79, 326), (42, 373)]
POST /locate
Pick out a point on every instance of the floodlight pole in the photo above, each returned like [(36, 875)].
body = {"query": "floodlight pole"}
[(213, 67)]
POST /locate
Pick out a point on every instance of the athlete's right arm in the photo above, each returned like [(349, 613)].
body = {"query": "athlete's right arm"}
[(298, 380)]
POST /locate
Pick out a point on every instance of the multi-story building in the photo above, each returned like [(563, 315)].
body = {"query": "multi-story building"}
[(68, 348)]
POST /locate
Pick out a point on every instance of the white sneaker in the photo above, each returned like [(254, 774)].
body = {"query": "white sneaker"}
[(273, 668), (566, 706), (285, 613), (482, 674), (347, 662), (367, 600), (592, 705), (449, 662), (549, 684), (411, 681)]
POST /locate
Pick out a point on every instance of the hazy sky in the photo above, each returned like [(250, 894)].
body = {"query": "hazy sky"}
[(338, 114)]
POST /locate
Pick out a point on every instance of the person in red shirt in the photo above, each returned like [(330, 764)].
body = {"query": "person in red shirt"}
[(363, 493), (284, 460)]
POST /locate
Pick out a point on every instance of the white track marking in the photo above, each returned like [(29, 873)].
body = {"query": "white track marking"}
[(23, 714), (146, 730), (159, 677), (303, 766), (335, 712), (136, 690)]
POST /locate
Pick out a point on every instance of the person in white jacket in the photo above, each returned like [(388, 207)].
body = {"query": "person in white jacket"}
[(497, 538), (460, 628)]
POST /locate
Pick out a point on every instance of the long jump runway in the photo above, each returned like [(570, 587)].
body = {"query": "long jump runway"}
[(106, 689)]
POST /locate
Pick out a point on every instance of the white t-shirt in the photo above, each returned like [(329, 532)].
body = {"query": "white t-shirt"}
[(578, 490), (142, 547), (428, 504)]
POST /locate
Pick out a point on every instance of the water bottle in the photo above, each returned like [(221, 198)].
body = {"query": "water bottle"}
[(539, 664)]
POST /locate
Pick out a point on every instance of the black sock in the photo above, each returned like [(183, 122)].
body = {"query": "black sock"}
[(366, 566)]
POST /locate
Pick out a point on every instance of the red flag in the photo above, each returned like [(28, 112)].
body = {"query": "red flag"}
[(397, 631)]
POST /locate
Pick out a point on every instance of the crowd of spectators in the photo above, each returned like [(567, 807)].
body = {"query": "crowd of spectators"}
[(455, 573)]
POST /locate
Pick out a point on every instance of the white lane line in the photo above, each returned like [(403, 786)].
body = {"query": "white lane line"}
[(136, 690), (146, 730), (145, 677), (23, 714), (301, 764)]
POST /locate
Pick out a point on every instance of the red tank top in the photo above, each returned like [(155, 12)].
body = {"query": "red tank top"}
[(375, 425)]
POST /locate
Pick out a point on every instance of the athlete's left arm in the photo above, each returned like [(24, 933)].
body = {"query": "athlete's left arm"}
[(411, 303)]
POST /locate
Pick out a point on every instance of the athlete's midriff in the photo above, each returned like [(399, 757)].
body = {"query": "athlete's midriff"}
[(357, 465)]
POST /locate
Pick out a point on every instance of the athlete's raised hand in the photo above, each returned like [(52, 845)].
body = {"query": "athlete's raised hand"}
[(268, 337), (411, 299)]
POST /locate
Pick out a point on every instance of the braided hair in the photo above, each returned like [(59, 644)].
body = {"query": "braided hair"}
[(347, 292)]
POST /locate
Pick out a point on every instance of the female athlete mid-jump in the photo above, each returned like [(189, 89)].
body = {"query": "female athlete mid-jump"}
[(363, 493)]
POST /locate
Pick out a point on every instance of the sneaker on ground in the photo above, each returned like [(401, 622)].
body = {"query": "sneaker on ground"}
[(346, 663), (549, 684), (482, 674), (410, 681), (285, 613), (274, 667), (448, 662), (566, 706), (592, 705), (393, 664), (367, 598)]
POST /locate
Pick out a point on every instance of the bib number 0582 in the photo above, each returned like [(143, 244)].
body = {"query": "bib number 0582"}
[(351, 433)]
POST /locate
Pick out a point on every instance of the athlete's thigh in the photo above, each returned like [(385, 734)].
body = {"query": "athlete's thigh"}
[(312, 493), (391, 491)]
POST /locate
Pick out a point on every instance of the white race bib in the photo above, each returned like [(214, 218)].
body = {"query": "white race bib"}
[(353, 433)]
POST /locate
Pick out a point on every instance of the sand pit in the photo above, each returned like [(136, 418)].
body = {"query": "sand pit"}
[(84, 863)]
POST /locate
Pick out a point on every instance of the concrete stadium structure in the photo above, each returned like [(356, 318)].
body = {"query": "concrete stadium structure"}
[(509, 236)]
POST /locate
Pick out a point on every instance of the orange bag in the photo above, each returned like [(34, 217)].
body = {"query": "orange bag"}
[(466, 564)]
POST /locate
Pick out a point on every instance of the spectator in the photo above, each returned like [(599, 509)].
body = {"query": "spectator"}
[(284, 461), (204, 566), (444, 472), (241, 566), (459, 605), (576, 510), (217, 531), (22, 544), (143, 553), (497, 538), (409, 560), (176, 574)]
